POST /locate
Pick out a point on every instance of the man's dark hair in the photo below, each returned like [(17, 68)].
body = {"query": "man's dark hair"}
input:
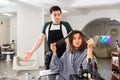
[(55, 8)]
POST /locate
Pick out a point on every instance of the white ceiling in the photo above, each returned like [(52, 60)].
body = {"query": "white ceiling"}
[(65, 4), (72, 6), (75, 6), (7, 6)]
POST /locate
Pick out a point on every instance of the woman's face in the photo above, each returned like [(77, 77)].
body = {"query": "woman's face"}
[(56, 17), (77, 40)]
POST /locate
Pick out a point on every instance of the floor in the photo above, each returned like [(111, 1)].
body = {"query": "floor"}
[(6, 72), (104, 67)]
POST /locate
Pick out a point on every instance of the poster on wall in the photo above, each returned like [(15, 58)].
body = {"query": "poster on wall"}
[(114, 32)]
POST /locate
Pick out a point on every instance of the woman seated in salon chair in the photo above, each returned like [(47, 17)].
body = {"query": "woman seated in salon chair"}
[(78, 62)]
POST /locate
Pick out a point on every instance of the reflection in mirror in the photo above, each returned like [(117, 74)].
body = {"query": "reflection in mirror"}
[(8, 32), (103, 30)]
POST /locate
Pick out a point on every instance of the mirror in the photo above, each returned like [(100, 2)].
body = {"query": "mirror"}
[(8, 21), (104, 27)]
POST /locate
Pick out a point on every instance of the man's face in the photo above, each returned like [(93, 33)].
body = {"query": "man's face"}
[(56, 17)]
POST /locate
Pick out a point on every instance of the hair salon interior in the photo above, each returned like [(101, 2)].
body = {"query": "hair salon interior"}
[(21, 22)]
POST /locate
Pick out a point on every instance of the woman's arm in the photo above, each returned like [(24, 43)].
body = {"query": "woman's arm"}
[(56, 63), (90, 43)]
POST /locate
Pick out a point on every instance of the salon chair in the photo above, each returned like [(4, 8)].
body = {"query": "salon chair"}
[(20, 65), (7, 52)]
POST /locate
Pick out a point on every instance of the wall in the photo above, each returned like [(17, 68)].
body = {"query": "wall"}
[(4, 31), (113, 45), (13, 30), (80, 21), (29, 25)]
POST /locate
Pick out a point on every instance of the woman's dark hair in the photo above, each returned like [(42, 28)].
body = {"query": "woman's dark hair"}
[(70, 36), (55, 8), (83, 44)]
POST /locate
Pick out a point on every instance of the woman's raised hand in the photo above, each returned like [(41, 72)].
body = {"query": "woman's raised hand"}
[(90, 43)]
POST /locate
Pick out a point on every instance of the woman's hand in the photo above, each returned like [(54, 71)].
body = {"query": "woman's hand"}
[(28, 56), (90, 43), (53, 48)]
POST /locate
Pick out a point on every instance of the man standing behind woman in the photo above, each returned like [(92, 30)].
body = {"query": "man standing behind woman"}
[(53, 31)]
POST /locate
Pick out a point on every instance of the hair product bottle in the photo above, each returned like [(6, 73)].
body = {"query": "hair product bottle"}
[(89, 68), (80, 72)]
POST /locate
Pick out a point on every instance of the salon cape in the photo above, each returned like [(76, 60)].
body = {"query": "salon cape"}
[(69, 63)]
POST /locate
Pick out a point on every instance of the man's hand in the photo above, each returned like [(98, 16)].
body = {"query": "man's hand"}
[(28, 56)]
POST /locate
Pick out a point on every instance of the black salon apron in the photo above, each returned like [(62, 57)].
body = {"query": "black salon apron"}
[(56, 35), (53, 36)]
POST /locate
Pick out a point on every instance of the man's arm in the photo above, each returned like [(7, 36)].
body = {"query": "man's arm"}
[(37, 44)]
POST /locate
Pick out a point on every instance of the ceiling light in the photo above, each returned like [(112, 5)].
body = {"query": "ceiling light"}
[(7, 14), (64, 11), (45, 12), (112, 19), (4, 1)]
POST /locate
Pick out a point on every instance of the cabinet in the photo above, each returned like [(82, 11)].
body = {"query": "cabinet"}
[(115, 66)]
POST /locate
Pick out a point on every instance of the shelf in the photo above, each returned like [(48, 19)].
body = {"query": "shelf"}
[(115, 64), (116, 76), (115, 61), (114, 53)]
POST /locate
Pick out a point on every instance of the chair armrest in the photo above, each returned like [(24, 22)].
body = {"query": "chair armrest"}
[(19, 64), (15, 62), (46, 73)]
